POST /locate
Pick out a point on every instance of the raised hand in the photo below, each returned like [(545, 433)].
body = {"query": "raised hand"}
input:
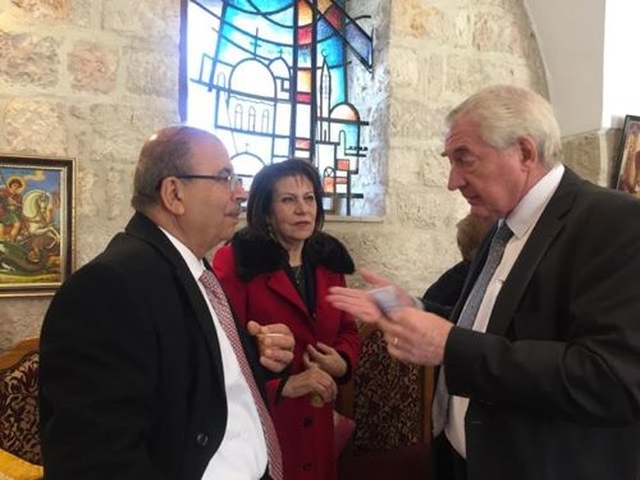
[(358, 302), (276, 344), (375, 280), (417, 337)]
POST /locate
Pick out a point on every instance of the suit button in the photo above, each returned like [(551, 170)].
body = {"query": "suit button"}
[(307, 422), (307, 466), (202, 439)]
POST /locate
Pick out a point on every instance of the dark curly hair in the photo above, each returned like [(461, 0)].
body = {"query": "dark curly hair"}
[(263, 185)]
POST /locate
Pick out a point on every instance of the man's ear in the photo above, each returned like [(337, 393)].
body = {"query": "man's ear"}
[(172, 195), (529, 151)]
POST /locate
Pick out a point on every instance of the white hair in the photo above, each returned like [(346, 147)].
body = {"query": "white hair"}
[(505, 113)]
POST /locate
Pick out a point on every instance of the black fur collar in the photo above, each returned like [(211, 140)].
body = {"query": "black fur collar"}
[(256, 254)]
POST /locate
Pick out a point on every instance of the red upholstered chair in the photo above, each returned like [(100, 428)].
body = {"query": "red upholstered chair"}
[(19, 433), (390, 403)]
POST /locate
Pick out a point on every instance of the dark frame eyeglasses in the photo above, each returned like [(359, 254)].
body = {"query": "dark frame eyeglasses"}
[(232, 179)]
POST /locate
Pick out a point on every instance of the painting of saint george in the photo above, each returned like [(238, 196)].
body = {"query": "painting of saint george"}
[(36, 224)]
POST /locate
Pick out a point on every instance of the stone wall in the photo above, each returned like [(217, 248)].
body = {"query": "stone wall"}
[(87, 80), (592, 154), (430, 55), (90, 79)]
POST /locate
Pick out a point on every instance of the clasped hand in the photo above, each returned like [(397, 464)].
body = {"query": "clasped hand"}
[(312, 381), (328, 359)]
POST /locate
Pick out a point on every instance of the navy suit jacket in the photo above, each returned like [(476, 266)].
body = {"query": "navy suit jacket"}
[(131, 378), (554, 384)]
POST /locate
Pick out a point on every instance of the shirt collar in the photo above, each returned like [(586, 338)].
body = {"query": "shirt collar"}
[(529, 209), (195, 264)]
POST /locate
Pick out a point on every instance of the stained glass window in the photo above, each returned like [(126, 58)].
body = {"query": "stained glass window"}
[(269, 77)]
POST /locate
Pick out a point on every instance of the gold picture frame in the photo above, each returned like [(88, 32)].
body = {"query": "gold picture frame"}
[(627, 171), (36, 224)]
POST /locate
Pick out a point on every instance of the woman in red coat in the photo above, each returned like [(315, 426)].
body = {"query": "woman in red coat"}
[(279, 269)]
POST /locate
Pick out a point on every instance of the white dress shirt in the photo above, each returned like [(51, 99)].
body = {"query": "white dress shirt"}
[(521, 221), (242, 455)]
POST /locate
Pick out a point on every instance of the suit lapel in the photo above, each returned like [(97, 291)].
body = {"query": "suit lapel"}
[(548, 227), (143, 228), (203, 317)]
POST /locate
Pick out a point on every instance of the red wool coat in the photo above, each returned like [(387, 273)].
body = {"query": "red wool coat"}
[(258, 288)]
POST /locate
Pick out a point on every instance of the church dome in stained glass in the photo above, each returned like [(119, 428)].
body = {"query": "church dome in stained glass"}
[(251, 76), (270, 78), (345, 111), (280, 68)]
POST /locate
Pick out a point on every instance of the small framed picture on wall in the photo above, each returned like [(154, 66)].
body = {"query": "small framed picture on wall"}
[(627, 170), (36, 224)]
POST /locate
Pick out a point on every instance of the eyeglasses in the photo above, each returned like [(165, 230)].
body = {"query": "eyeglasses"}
[(232, 179)]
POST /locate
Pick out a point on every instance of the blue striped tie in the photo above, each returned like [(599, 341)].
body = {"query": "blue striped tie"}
[(440, 409)]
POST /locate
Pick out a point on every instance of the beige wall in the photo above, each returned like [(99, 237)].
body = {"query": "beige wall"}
[(90, 79), (435, 54)]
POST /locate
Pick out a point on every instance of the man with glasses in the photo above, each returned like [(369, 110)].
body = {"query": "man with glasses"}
[(141, 375)]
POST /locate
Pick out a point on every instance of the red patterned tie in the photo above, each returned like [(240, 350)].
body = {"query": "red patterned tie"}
[(221, 306)]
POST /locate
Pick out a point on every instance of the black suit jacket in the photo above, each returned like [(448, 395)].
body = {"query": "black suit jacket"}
[(554, 384), (131, 379), (443, 294)]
